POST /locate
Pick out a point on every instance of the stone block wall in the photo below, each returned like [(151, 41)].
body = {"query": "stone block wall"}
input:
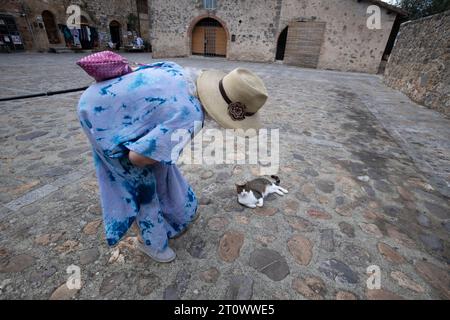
[(251, 21), (419, 64), (99, 14), (348, 44)]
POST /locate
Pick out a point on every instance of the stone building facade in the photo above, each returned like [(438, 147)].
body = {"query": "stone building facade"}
[(419, 64), (39, 22), (254, 29)]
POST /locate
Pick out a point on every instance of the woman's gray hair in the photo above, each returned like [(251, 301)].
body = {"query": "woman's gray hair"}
[(191, 75)]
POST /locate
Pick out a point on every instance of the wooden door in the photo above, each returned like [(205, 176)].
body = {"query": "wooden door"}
[(221, 42), (198, 40), (303, 44), (209, 39)]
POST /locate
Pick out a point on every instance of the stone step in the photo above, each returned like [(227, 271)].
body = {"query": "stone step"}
[(59, 50)]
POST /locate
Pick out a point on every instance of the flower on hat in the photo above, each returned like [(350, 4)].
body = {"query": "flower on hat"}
[(237, 110)]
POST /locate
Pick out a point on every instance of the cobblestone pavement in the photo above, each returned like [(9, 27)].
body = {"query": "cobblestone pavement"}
[(367, 171)]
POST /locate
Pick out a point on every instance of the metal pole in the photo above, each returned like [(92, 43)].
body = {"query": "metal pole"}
[(43, 94)]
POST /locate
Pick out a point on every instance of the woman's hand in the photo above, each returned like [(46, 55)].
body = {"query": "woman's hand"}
[(139, 160)]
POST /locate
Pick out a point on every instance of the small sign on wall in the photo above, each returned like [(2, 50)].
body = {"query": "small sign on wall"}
[(16, 39)]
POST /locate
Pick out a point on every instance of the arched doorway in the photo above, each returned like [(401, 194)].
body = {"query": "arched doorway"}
[(114, 30), (281, 44), (209, 38), (50, 27)]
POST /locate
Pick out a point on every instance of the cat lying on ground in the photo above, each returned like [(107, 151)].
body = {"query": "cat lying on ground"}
[(252, 193)]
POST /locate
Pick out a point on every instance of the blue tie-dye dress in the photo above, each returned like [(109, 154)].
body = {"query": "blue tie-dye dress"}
[(140, 111)]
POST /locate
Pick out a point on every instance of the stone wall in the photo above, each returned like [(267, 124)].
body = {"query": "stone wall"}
[(99, 13), (348, 44), (252, 22), (419, 64)]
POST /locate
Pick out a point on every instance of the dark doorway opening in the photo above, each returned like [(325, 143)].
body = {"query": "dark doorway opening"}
[(114, 30), (10, 39), (281, 44), (50, 27)]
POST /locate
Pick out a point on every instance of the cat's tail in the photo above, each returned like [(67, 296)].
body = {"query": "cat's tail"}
[(277, 180)]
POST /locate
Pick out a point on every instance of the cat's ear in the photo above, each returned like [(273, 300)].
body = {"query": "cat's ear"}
[(240, 188)]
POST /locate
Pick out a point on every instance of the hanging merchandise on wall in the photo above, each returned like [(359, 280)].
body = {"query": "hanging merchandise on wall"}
[(16, 39)]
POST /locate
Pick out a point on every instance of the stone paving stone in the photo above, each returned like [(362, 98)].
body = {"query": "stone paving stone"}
[(230, 245), (390, 253), (338, 271), (345, 295), (327, 239), (301, 249), (404, 281), (431, 241), (196, 248), (31, 197), (88, 256), (269, 262), (357, 255), (211, 275), (437, 210), (346, 158), (147, 283), (381, 294), (63, 293), (318, 214), (239, 288), (17, 263), (310, 287), (109, 283), (31, 136), (435, 276), (92, 227), (347, 229)]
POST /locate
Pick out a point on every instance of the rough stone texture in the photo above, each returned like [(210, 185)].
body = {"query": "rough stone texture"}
[(98, 13), (347, 229), (88, 256), (16, 264), (318, 214), (404, 281), (63, 293), (419, 62), (338, 271), (210, 275), (269, 262), (310, 287), (371, 229), (326, 116), (230, 245), (239, 288), (435, 276), (345, 295), (390, 253), (348, 44), (301, 248), (92, 227), (147, 283), (382, 294)]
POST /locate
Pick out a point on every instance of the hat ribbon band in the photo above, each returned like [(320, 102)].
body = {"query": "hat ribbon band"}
[(236, 110)]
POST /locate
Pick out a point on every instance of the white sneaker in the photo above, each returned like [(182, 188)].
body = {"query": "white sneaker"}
[(168, 255)]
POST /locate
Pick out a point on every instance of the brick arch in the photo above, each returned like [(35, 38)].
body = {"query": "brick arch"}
[(196, 20)]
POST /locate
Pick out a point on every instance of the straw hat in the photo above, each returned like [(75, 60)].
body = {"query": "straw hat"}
[(233, 99)]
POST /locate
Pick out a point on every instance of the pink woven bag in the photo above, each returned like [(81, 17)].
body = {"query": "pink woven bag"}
[(104, 65)]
